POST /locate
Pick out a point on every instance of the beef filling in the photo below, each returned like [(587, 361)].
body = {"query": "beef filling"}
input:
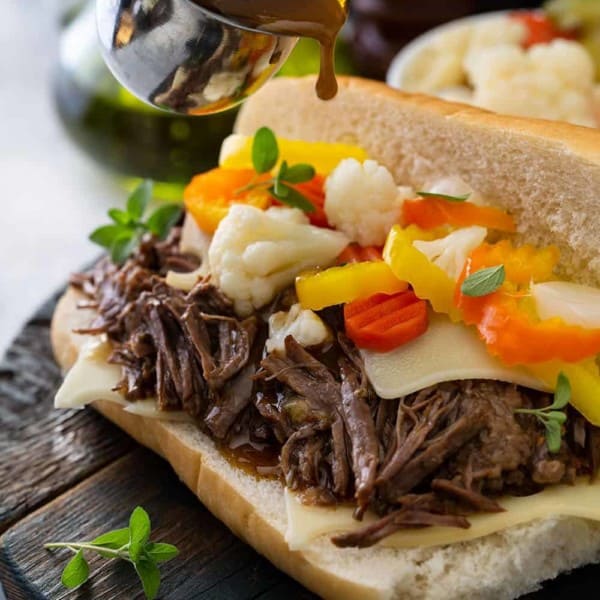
[(311, 417)]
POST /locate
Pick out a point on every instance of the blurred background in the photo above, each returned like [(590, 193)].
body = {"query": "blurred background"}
[(73, 140)]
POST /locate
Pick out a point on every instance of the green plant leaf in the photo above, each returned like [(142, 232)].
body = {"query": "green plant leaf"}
[(113, 539), (483, 282), (76, 571), (139, 199), (159, 552), (163, 218), (149, 576), (123, 246), (562, 393), (299, 173), (292, 198), (139, 532), (553, 436), (120, 217), (556, 415), (280, 190), (265, 151), (447, 197), (107, 235)]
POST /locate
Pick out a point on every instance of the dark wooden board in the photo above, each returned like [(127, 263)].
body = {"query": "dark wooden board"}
[(213, 562), (44, 451), (84, 477)]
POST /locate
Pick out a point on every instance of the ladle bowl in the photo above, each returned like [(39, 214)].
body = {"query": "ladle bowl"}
[(179, 57)]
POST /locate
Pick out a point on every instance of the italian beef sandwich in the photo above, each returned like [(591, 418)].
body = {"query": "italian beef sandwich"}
[(369, 344)]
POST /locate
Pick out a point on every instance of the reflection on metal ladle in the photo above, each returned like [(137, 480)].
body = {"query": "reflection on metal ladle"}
[(177, 56)]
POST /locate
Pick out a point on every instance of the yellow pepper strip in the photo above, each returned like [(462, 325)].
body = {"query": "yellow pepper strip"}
[(584, 378), (428, 280), (236, 153), (338, 285)]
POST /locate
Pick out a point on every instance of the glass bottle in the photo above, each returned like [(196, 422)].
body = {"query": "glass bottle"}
[(121, 132)]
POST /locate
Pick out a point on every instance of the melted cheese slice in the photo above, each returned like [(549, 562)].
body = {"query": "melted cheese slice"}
[(445, 352), (92, 378), (306, 523)]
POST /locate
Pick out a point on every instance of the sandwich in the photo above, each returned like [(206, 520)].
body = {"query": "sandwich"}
[(370, 345)]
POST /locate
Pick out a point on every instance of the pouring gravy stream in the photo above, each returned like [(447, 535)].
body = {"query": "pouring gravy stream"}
[(321, 20)]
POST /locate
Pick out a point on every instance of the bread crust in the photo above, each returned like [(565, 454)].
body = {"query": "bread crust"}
[(545, 173), (503, 565)]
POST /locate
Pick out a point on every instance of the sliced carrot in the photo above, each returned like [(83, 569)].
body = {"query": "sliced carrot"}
[(354, 253), (429, 213), (382, 323)]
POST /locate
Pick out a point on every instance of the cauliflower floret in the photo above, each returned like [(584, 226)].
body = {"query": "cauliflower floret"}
[(551, 81), (363, 201), (254, 254), (304, 325), (450, 253), (438, 63), (291, 215)]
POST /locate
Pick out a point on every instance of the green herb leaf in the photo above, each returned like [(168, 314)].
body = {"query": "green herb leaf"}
[(283, 169), (483, 282), (149, 576), (159, 552), (139, 532), (123, 246), (130, 544), (553, 436), (292, 198), (562, 393), (556, 415), (76, 572), (163, 218), (120, 217), (299, 173), (462, 198), (265, 151), (113, 539), (107, 235), (280, 190), (139, 199)]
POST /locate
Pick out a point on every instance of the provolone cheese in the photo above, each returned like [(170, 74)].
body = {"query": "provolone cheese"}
[(92, 378), (306, 523), (445, 352)]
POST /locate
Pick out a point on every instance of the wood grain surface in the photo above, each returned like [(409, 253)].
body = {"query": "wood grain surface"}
[(213, 563), (71, 475), (44, 451)]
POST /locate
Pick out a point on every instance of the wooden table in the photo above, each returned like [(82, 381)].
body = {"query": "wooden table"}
[(71, 475)]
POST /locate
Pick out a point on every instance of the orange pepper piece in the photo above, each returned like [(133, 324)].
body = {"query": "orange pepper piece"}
[(209, 195), (507, 329), (429, 213)]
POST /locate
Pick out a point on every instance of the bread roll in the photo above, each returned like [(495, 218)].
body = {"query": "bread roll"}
[(548, 175)]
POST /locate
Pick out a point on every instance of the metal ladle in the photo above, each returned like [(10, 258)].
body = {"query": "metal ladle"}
[(177, 56)]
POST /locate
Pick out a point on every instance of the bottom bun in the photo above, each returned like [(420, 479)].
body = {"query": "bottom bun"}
[(503, 565)]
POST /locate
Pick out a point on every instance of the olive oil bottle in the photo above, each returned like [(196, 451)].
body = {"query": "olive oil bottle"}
[(118, 130), (134, 139)]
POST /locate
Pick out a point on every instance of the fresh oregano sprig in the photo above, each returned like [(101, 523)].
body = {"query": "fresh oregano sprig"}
[(131, 544), (123, 235), (448, 197), (265, 155), (553, 417), (483, 282)]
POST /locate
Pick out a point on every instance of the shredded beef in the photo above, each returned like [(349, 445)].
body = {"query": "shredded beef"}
[(310, 415)]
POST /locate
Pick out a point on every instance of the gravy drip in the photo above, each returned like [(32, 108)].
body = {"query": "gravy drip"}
[(320, 20)]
